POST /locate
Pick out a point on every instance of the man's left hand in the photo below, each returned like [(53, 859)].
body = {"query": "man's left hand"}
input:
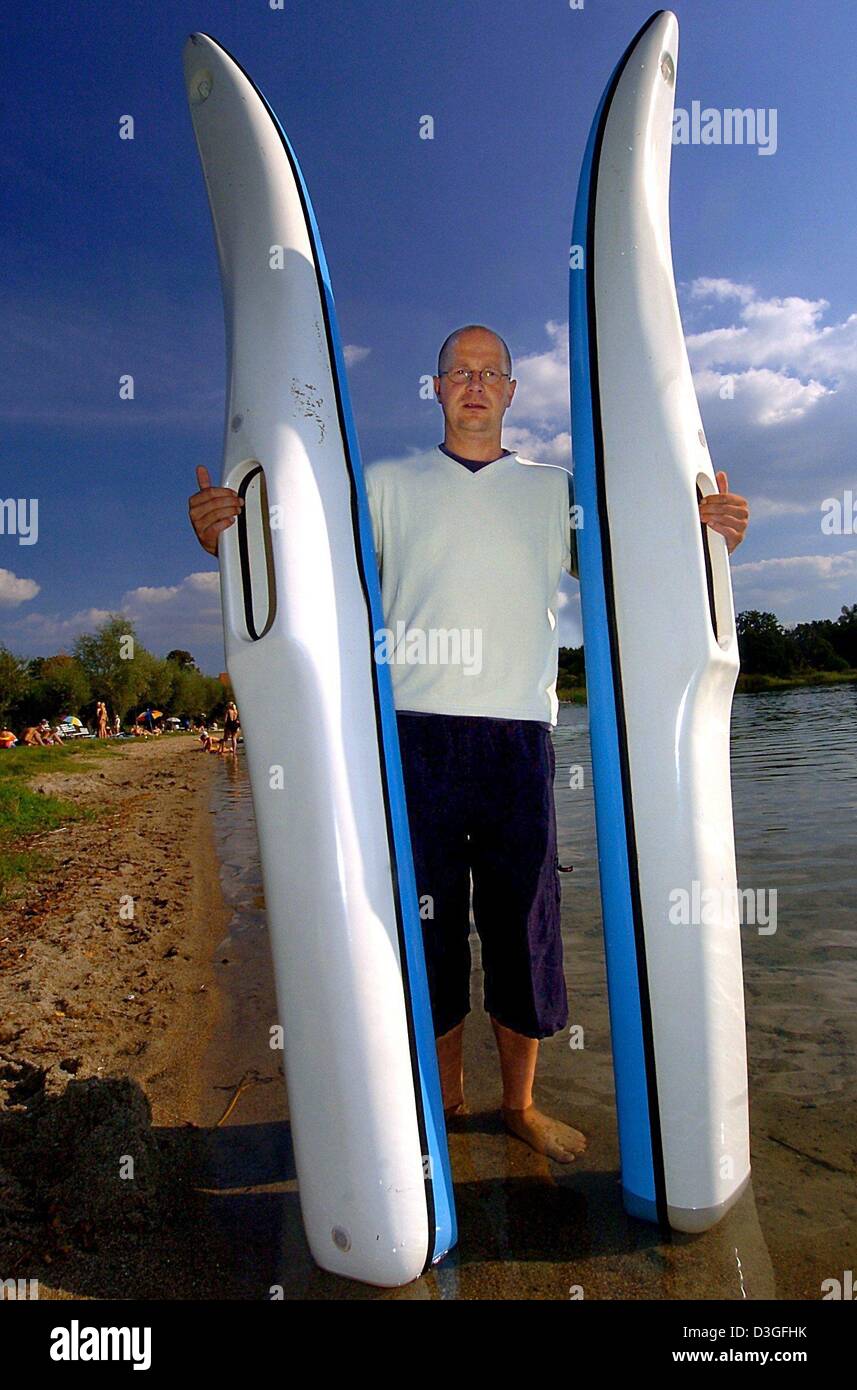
[(725, 512)]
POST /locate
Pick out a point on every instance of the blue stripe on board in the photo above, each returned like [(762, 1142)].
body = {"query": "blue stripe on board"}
[(446, 1233), (629, 1063)]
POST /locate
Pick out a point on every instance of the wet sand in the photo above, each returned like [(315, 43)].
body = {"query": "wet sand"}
[(165, 1021)]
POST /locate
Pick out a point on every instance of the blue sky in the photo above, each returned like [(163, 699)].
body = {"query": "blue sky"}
[(111, 267)]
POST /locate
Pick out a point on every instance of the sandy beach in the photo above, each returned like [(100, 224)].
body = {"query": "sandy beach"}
[(106, 1007)]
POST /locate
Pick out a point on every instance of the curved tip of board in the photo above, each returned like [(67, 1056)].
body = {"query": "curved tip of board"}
[(191, 46), (662, 20), (665, 21), (660, 31), (203, 58), (198, 39)]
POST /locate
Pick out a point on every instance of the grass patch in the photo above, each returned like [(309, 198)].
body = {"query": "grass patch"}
[(750, 685), (71, 757), (24, 812)]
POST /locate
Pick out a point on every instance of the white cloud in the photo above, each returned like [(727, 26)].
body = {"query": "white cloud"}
[(40, 630), (765, 397), (783, 362), (827, 568), (353, 354), (542, 394), (14, 590), (787, 437), (797, 587), (765, 508), (785, 335), (186, 615), (554, 449), (708, 287), (569, 620), (145, 595), (204, 582)]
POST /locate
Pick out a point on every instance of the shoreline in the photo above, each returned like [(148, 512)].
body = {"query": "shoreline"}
[(746, 685)]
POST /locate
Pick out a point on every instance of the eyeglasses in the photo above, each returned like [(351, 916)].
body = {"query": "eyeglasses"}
[(489, 376)]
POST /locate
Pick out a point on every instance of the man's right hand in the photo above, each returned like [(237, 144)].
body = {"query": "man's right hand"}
[(211, 510)]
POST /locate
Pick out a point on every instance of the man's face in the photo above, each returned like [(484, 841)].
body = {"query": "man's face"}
[(473, 408)]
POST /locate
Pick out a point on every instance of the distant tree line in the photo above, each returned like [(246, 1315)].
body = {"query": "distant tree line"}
[(769, 649), (766, 648), (110, 664), (99, 667)]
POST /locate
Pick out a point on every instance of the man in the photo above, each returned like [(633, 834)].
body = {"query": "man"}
[(473, 539)]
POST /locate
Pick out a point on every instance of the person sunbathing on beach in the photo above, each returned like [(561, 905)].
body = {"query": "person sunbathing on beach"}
[(32, 738), (477, 753), (7, 738), (209, 744)]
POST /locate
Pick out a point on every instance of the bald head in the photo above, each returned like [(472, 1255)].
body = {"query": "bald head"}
[(479, 334), (473, 408)]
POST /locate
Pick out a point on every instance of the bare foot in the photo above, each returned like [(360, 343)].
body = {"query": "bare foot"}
[(546, 1136), (458, 1107)]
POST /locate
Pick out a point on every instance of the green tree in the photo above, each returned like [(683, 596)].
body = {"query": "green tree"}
[(763, 645), (571, 669), (116, 664), (13, 682), (192, 694), (844, 635), (160, 683), (813, 649), (182, 658), (58, 685)]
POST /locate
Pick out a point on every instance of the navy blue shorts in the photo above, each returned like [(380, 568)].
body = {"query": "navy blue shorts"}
[(479, 794)]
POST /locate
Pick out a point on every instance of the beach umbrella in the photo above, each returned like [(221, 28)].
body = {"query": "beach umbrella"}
[(72, 719)]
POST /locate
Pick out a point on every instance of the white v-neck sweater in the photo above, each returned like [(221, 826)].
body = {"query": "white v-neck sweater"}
[(470, 566)]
